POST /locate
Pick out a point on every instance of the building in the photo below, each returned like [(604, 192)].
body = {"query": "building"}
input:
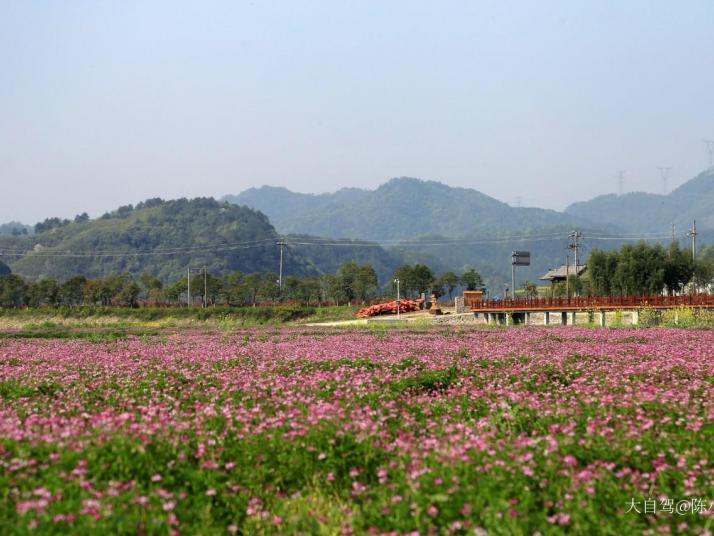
[(559, 275)]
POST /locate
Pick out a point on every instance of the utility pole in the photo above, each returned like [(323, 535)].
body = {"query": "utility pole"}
[(188, 296), (281, 243), (574, 236), (205, 287), (396, 280), (664, 172), (513, 281), (674, 228), (567, 276), (693, 234)]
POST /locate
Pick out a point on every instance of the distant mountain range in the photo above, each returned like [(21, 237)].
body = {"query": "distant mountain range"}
[(403, 208), (404, 220), (641, 212)]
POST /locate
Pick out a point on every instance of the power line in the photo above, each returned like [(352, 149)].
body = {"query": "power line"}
[(283, 242)]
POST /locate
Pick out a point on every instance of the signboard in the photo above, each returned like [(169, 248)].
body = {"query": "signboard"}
[(521, 258)]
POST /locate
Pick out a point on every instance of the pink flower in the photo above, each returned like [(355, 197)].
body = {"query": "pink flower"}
[(570, 461)]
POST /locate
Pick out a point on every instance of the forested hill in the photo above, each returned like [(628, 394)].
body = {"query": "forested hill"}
[(651, 213), (400, 209), (14, 228), (163, 237)]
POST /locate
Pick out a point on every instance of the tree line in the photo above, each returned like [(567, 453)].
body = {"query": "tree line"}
[(642, 270), (351, 283)]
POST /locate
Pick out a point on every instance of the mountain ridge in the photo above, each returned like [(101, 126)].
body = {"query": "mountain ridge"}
[(646, 212), (402, 208)]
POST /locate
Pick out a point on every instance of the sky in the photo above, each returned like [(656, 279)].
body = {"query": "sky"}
[(109, 103)]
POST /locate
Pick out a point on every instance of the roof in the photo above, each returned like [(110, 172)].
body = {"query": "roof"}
[(563, 272)]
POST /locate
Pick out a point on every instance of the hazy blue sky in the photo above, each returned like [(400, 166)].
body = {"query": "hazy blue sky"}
[(107, 103)]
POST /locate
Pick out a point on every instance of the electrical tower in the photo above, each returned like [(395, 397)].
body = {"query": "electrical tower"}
[(620, 182), (664, 173), (709, 144)]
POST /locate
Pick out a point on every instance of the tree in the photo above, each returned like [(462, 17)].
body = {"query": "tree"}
[(43, 292), (152, 287), (471, 279), (127, 293), (172, 293), (12, 290), (531, 289), (253, 284), (357, 282), (70, 292), (678, 268), (448, 281), (704, 268), (269, 289), (423, 278), (233, 288), (4, 269)]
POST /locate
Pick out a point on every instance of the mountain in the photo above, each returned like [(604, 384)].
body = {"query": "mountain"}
[(164, 237), (14, 228), (402, 208), (640, 212)]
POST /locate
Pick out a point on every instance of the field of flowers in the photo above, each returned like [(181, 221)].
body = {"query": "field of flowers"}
[(297, 430)]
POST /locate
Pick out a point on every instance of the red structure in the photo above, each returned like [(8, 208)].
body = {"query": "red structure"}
[(592, 303)]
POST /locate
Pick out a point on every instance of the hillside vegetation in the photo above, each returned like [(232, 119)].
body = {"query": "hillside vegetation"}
[(651, 213), (162, 238), (402, 208)]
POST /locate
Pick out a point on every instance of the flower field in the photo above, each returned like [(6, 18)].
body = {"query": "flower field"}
[(296, 430)]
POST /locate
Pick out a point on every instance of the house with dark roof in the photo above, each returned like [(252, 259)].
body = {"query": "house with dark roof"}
[(558, 275)]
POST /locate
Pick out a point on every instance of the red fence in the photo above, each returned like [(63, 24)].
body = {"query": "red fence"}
[(593, 302)]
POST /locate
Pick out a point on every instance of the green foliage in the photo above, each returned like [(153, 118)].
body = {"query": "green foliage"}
[(641, 212), (447, 282), (176, 227), (12, 290), (415, 279), (471, 279), (642, 269), (403, 208), (248, 315), (14, 228), (355, 282)]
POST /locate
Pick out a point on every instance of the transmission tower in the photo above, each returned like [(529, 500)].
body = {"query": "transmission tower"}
[(620, 182), (664, 173), (710, 150)]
